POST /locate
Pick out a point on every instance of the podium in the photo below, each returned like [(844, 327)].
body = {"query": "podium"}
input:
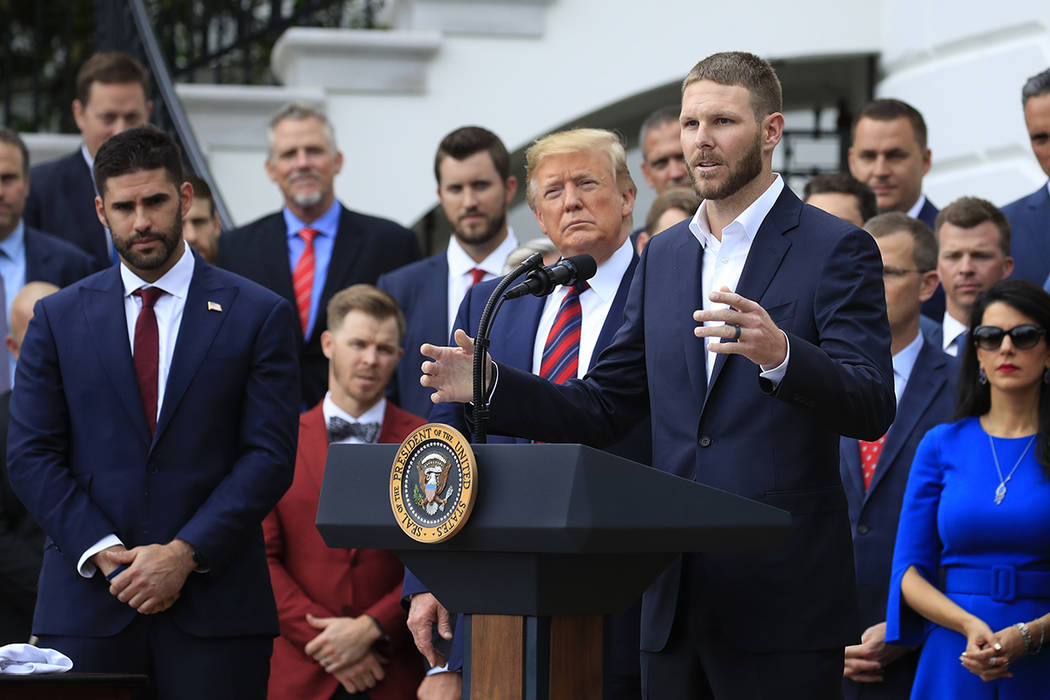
[(559, 535)]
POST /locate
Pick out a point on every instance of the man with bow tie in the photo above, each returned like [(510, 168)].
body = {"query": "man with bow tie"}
[(343, 631)]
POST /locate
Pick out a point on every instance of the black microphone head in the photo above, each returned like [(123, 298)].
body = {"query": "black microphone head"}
[(585, 266)]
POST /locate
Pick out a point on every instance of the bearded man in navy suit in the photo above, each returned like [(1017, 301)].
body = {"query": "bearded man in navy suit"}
[(755, 333), (153, 426)]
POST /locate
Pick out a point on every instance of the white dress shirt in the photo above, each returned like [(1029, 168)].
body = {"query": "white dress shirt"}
[(724, 260), (917, 207), (951, 330), (594, 306), (459, 266), (903, 363), (168, 310), (372, 415)]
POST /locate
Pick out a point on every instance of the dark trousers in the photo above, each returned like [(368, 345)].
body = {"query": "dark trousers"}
[(179, 665)]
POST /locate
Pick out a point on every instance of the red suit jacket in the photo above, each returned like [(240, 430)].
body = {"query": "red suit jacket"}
[(310, 577)]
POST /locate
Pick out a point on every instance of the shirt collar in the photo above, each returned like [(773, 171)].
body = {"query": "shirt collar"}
[(90, 163), (175, 281), (14, 245), (904, 361), (459, 263), (326, 225), (372, 415), (951, 328), (750, 220), (607, 278), (917, 207)]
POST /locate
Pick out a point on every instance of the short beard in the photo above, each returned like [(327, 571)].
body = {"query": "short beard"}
[(749, 167), (308, 199), (171, 240), (481, 237)]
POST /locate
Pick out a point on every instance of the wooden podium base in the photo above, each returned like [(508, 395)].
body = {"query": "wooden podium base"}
[(534, 658)]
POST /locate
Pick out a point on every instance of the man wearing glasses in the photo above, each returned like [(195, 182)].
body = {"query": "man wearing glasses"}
[(974, 241), (874, 474)]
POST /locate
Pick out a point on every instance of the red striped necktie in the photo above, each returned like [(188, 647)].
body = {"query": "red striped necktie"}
[(303, 277), (561, 352)]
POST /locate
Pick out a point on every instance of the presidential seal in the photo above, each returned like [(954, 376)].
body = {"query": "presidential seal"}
[(433, 483)]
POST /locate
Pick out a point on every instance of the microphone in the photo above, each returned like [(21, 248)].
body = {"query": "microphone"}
[(542, 282)]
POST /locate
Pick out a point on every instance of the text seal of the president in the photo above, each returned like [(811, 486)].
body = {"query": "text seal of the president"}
[(433, 483)]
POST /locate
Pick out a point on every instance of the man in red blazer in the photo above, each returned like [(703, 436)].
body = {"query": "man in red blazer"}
[(343, 632)]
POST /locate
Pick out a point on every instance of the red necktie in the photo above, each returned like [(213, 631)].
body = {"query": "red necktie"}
[(303, 277), (146, 353), (478, 274), (869, 457), (561, 353)]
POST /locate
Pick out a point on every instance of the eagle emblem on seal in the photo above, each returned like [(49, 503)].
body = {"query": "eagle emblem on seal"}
[(433, 478)]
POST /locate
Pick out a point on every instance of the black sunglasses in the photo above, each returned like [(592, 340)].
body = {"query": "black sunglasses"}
[(1023, 337)]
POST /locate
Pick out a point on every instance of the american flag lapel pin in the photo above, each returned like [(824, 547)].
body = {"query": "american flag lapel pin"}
[(214, 306)]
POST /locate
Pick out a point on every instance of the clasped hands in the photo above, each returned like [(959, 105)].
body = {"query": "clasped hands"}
[(866, 662), (988, 655), (450, 372), (344, 649), (154, 576)]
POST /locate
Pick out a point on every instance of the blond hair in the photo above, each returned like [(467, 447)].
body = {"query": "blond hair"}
[(577, 141)]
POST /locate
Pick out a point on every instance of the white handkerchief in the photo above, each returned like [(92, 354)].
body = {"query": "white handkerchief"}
[(26, 658)]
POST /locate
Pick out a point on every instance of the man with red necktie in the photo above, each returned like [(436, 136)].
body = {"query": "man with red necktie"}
[(475, 187), (875, 473), (152, 429), (314, 246), (582, 195)]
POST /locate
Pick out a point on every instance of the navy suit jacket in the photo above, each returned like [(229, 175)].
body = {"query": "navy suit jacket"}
[(62, 202), (1029, 219), (51, 259), (928, 399), (421, 290), (365, 247), (820, 280), (934, 306), (81, 457)]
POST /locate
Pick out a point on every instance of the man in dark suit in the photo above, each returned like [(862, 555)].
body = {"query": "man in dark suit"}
[(342, 625), (475, 187), (153, 426), (874, 474), (595, 221), (797, 295), (314, 246), (1029, 216), (112, 89), (27, 255), (889, 154)]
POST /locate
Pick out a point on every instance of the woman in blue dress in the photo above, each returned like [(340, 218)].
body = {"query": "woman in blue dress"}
[(973, 548)]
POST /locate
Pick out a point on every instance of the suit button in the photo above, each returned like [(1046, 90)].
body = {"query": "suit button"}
[(705, 441), (862, 529)]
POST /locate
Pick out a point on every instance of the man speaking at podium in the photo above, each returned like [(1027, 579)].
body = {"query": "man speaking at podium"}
[(756, 334)]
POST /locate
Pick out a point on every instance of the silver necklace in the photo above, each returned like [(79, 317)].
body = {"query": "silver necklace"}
[(1000, 490)]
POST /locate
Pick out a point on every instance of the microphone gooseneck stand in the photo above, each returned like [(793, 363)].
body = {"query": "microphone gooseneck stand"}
[(481, 342)]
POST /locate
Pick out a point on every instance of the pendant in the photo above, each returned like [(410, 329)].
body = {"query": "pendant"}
[(1000, 493)]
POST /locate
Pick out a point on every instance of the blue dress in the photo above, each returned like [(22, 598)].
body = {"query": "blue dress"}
[(953, 533)]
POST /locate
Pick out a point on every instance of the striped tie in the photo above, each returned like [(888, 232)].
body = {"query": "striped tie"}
[(303, 277), (561, 353)]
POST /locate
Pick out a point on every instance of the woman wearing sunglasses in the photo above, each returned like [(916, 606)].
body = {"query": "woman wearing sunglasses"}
[(973, 548)]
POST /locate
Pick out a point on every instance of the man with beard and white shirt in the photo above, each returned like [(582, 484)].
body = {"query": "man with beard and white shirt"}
[(475, 187), (755, 334)]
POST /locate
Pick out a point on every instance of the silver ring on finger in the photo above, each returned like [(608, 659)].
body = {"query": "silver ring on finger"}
[(994, 661)]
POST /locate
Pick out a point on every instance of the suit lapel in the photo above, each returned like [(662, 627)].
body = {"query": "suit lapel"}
[(918, 394), (521, 325), (103, 303), (763, 260), (688, 265), (313, 438), (196, 332), (614, 319), (273, 257), (435, 296), (341, 266)]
